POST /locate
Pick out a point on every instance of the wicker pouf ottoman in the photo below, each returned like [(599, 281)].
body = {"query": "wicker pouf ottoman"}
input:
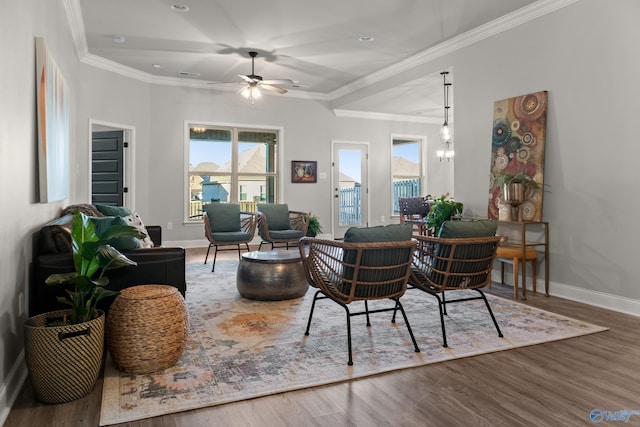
[(147, 328)]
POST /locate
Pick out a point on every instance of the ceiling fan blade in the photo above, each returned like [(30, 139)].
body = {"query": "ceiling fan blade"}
[(245, 78), (273, 88), (278, 82)]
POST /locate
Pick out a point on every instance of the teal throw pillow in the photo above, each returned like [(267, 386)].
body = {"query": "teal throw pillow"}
[(108, 210), (120, 243)]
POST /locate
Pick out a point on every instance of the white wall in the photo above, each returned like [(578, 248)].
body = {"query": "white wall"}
[(20, 211), (585, 55), (308, 127)]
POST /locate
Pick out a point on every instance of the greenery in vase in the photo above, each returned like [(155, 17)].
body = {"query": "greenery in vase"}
[(442, 210), (92, 257), (314, 227)]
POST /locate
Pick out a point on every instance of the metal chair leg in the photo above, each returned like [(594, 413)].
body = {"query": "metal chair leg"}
[(207, 256), (442, 310), (215, 255), (406, 321), (486, 302), (313, 305), (350, 362), (366, 309)]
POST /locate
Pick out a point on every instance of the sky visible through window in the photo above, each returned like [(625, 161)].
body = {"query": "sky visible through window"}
[(203, 151)]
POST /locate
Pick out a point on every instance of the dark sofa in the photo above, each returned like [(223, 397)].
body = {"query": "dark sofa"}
[(52, 254)]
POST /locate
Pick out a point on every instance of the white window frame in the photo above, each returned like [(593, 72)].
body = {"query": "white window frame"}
[(235, 128)]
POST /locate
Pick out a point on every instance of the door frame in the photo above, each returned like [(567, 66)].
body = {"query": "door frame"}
[(365, 188), (128, 178)]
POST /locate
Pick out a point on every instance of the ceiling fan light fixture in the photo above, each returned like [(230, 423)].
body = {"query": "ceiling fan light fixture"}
[(251, 93)]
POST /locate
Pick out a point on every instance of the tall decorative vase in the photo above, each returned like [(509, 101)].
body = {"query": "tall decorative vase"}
[(513, 194), (63, 361)]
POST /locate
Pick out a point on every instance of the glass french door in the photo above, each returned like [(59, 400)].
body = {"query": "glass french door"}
[(350, 186)]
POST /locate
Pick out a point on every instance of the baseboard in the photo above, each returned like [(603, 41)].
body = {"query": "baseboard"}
[(595, 298), (586, 296), (12, 386)]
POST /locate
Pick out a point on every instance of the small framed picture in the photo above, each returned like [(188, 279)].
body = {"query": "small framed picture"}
[(304, 171)]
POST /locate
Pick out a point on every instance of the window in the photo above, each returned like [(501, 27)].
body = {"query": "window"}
[(406, 168), (231, 165)]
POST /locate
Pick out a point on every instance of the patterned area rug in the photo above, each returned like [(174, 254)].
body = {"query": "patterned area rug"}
[(240, 349)]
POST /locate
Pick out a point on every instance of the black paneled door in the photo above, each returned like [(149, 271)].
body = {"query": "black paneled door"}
[(107, 168)]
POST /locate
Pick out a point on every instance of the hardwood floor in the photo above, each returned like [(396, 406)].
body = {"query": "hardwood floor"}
[(553, 384)]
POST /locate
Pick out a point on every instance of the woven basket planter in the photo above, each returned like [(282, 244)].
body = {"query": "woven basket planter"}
[(147, 328), (63, 361)]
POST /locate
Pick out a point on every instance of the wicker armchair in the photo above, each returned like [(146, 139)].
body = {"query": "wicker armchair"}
[(444, 264), (277, 224), (346, 271), (226, 225), (413, 211)]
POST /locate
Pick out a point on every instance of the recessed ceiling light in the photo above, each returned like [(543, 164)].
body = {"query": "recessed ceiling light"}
[(366, 38), (188, 74), (180, 8), (158, 66), (119, 39)]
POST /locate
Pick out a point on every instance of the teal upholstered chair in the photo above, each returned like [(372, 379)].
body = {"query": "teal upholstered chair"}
[(225, 225), (460, 258), (369, 264), (277, 224)]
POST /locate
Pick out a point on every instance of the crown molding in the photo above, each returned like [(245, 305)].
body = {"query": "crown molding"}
[(354, 114), (497, 26), (514, 19), (76, 24)]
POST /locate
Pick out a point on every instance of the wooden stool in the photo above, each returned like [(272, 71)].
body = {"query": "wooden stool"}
[(147, 328), (513, 255)]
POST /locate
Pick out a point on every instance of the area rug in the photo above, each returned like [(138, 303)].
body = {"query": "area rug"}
[(239, 349)]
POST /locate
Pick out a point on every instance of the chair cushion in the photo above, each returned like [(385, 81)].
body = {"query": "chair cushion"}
[(231, 236), (223, 217), (277, 215), (285, 234), (388, 233), (467, 229), (375, 258)]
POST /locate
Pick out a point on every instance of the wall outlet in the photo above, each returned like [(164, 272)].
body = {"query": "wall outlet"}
[(20, 303), (169, 225), (382, 218)]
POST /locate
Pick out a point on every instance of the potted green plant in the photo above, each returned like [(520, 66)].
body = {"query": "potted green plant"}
[(442, 210), (314, 227), (64, 348)]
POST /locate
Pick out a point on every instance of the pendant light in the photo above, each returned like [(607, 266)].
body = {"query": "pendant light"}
[(446, 133)]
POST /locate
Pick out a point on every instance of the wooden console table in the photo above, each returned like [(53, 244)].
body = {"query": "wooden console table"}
[(525, 227)]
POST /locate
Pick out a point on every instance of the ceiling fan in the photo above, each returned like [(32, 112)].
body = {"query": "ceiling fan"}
[(254, 83)]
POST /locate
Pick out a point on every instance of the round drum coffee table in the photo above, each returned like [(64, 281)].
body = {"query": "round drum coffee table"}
[(271, 275)]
